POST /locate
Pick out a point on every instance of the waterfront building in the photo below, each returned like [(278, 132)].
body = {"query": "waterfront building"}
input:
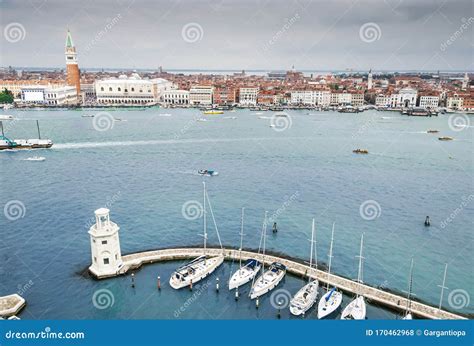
[(105, 245), (176, 97), (357, 99), (429, 101), (341, 98), (73, 77), (15, 86), (201, 95), (455, 101), (383, 100), (131, 90), (248, 96), (405, 97), (303, 97), (47, 95), (224, 96)]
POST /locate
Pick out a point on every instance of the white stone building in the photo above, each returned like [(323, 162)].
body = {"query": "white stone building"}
[(131, 90), (455, 102), (429, 101), (248, 96), (383, 100), (105, 245), (47, 95), (311, 97), (357, 99), (341, 98), (201, 95), (176, 97), (405, 97)]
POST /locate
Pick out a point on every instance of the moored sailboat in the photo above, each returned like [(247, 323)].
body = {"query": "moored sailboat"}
[(202, 266), (305, 298), (332, 299), (408, 314), (356, 310)]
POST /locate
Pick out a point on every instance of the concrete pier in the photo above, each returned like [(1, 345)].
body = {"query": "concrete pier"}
[(11, 305), (134, 261)]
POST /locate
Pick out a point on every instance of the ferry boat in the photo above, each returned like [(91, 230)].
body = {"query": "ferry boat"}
[(36, 143), (213, 112)]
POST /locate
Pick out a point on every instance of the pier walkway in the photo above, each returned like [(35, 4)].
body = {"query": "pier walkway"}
[(11, 305), (373, 294)]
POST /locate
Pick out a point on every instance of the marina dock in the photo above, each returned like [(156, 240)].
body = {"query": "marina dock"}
[(391, 300)]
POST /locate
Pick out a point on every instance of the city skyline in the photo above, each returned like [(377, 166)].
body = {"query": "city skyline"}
[(251, 35)]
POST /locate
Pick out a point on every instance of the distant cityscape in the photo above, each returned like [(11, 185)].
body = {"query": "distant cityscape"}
[(292, 88)]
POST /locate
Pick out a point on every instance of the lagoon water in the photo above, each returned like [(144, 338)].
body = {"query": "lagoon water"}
[(144, 169)]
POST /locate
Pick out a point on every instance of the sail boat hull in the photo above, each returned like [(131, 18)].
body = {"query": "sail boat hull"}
[(304, 299), (243, 276), (268, 280), (355, 310), (195, 271), (329, 303)]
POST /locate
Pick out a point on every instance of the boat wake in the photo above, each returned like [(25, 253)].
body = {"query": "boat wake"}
[(80, 145)]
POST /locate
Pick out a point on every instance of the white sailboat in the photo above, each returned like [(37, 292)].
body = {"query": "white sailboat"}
[(305, 298), (332, 299), (356, 310), (247, 272), (202, 266), (270, 278), (408, 315)]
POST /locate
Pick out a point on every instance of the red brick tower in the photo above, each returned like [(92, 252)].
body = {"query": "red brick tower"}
[(72, 69)]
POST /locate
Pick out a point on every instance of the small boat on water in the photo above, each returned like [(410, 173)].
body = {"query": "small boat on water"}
[(203, 266), (213, 112), (432, 131), (247, 272), (305, 298), (6, 117), (202, 119), (207, 172), (87, 115), (36, 143), (270, 278), (164, 115), (445, 138), (36, 158), (360, 151), (356, 310), (332, 299)]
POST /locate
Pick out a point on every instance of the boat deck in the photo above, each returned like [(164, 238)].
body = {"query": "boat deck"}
[(373, 294)]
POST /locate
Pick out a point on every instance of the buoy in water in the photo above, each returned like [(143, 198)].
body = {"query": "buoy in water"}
[(275, 229), (427, 221)]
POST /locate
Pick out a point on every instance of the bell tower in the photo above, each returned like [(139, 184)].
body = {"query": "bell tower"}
[(105, 245), (370, 80), (73, 77)]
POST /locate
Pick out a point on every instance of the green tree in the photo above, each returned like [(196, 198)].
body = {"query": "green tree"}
[(6, 96)]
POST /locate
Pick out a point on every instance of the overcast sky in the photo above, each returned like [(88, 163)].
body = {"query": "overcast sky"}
[(241, 34)]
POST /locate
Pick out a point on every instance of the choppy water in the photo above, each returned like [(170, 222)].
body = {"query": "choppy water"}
[(144, 169)]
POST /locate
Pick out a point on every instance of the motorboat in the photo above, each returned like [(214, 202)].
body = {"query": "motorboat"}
[(207, 172), (268, 280), (445, 138), (87, 115), (432, 131), (6, 117), (360, 151), (36, 158), (213, 112), (305, 298)]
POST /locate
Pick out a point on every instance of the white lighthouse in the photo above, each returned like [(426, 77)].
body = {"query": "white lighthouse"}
[(105, 245)]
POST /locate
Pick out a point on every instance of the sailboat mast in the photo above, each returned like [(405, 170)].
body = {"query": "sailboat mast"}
[(204, 216), (443, 286), (264, 238), (330, 254), (311, 252), (241, 236), (410, 283), (1, 125), (38, 127), (359, 274)]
